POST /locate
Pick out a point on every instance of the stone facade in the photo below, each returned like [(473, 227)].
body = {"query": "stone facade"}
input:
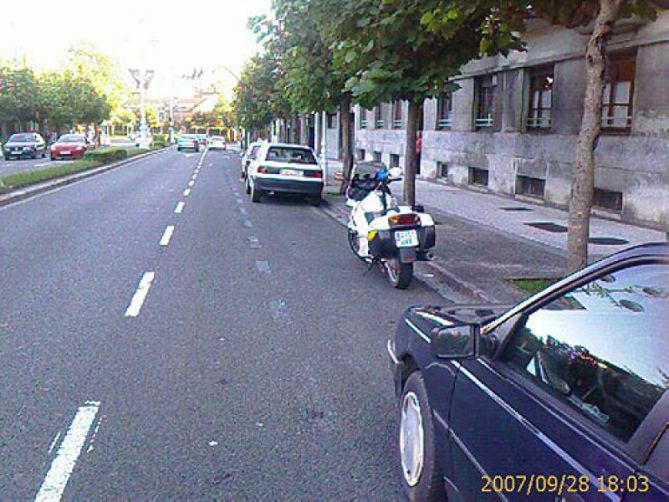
[(632, 165)]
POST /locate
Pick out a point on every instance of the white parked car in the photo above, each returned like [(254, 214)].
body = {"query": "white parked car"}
[(250, 156), (217, 143), (285, 168)]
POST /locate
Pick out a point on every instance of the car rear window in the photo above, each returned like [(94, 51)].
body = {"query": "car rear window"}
[(21, 138), (289, 154), (71, 138)]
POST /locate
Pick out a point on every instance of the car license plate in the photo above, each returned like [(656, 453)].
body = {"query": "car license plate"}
[(406, 238), (65, 152), (290, 172)]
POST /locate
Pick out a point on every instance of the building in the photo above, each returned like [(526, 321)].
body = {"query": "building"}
[(512, 126)]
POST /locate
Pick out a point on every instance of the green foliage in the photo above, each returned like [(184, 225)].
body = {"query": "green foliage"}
[(22, 179), (106, 155), (256, 97)]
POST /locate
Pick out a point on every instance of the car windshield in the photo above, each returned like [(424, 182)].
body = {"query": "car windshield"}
[(188, 136), (290, 154), (21, 138), (217, 138), (72, 138)]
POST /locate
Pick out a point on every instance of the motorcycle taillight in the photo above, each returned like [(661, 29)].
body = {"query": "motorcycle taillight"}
[(404, 219)]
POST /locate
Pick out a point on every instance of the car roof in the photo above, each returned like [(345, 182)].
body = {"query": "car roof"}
[(288, 145)]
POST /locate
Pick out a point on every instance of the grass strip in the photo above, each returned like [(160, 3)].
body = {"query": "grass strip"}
[(532, 286)]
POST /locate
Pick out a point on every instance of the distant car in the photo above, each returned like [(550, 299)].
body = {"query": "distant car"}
[(285, 168), (249, 156), (570, 385), (24, 145), (203, 139), (69, 146), (188, 142), (217, 143), (149, 139)]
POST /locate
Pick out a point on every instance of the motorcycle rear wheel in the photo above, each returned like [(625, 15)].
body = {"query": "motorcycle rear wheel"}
[(354, 243), (399, 274)]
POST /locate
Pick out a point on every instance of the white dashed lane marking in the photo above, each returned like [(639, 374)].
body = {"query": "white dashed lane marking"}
[(187, 192), (179, 208), (167, 235), (140, 295)]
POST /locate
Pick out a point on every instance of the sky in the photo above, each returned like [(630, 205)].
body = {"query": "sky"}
[(172, 37)]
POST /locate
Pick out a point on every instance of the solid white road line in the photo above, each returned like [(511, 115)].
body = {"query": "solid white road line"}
[(169, 230), (63, 464), (140, 295), (179, 208), (187, 192)]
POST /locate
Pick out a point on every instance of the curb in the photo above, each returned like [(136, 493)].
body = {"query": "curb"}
[(441, 276), (32, 190)]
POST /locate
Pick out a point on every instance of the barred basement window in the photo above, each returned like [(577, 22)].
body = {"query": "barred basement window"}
[(442, 170), (618, 93), (532, 187), (541, 99), (445, 111), (484, 93), (377, 156), (478, 176), (394, 160), (608, 199), (397, 114), (378, 116)]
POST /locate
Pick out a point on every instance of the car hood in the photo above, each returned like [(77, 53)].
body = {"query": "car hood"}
[(67, 145), (12, 144), (428, 318)]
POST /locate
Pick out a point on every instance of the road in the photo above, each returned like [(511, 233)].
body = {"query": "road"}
[(24, 165), (239, 355)]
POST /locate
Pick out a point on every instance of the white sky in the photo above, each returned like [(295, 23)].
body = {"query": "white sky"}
[(178, 35)]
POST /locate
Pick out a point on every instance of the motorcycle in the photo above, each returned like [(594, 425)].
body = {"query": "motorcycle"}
[(381, 232)]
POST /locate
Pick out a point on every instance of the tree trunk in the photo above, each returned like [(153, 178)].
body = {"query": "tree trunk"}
[(295, 131), (345, 131), (410, 156), (583, 180)]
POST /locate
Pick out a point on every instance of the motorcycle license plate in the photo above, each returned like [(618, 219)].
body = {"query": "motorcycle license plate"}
[(406, 238)]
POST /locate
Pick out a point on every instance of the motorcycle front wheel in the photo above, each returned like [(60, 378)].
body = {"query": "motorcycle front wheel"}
[(354, 243), (399, 274)]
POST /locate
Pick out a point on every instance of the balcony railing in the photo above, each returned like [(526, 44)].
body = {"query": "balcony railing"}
[(363, 123), (445, 122), (482, 122), (538, 122), (613, 122), (397, 123), (379, 124)]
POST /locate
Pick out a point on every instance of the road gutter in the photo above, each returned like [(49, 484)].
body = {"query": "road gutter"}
[(38, 188)]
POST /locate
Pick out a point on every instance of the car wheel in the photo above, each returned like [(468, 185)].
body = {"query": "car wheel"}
[(43, 155), (315, 200), (421, 473), (256, 194), (247, 186), (52, 158), (178, 149)]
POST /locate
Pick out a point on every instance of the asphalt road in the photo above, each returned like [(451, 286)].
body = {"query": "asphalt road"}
[(244, 358), (24, 165)]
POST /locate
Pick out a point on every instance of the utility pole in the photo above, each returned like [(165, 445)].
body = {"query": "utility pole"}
[(324, 146)]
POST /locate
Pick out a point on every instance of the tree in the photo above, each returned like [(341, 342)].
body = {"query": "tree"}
[(390, 55), (503, 20), (302, 38)]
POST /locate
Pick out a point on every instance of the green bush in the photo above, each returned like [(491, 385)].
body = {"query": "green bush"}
[(159, 142), (106, 155)]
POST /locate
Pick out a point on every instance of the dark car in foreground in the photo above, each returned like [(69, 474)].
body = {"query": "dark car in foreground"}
[(562, 397), (69, 146), (24, 145)]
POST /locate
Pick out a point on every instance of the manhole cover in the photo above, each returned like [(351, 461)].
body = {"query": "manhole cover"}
[(548, 227), (516, 208), (607, 241)]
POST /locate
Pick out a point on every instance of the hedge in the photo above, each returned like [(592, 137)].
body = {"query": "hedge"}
[(106, 155)]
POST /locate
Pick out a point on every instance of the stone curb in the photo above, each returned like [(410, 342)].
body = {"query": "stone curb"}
[(38, 188)]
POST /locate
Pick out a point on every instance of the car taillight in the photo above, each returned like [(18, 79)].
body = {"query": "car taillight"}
[(404, 219), (313, 174), (262, 170)]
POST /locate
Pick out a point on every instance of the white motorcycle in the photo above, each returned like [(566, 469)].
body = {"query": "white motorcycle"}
[(382, 232)]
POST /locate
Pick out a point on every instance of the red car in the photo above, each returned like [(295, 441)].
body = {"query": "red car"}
[(69, 146)]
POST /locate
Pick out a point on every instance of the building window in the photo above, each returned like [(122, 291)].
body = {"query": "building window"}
[(397, 114), (478, 176), (394, 160), (532, 187), (541, 99), (363, 118), (607, 199), (332, 120), (378, 116), (618, 93), (442, 170), (377, 156), (484, 99), (445, 111), (361, 154)]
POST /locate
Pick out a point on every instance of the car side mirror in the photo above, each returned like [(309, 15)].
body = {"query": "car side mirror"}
[(456, 342)]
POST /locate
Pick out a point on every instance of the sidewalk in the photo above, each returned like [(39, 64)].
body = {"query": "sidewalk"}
[(483, 240)]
